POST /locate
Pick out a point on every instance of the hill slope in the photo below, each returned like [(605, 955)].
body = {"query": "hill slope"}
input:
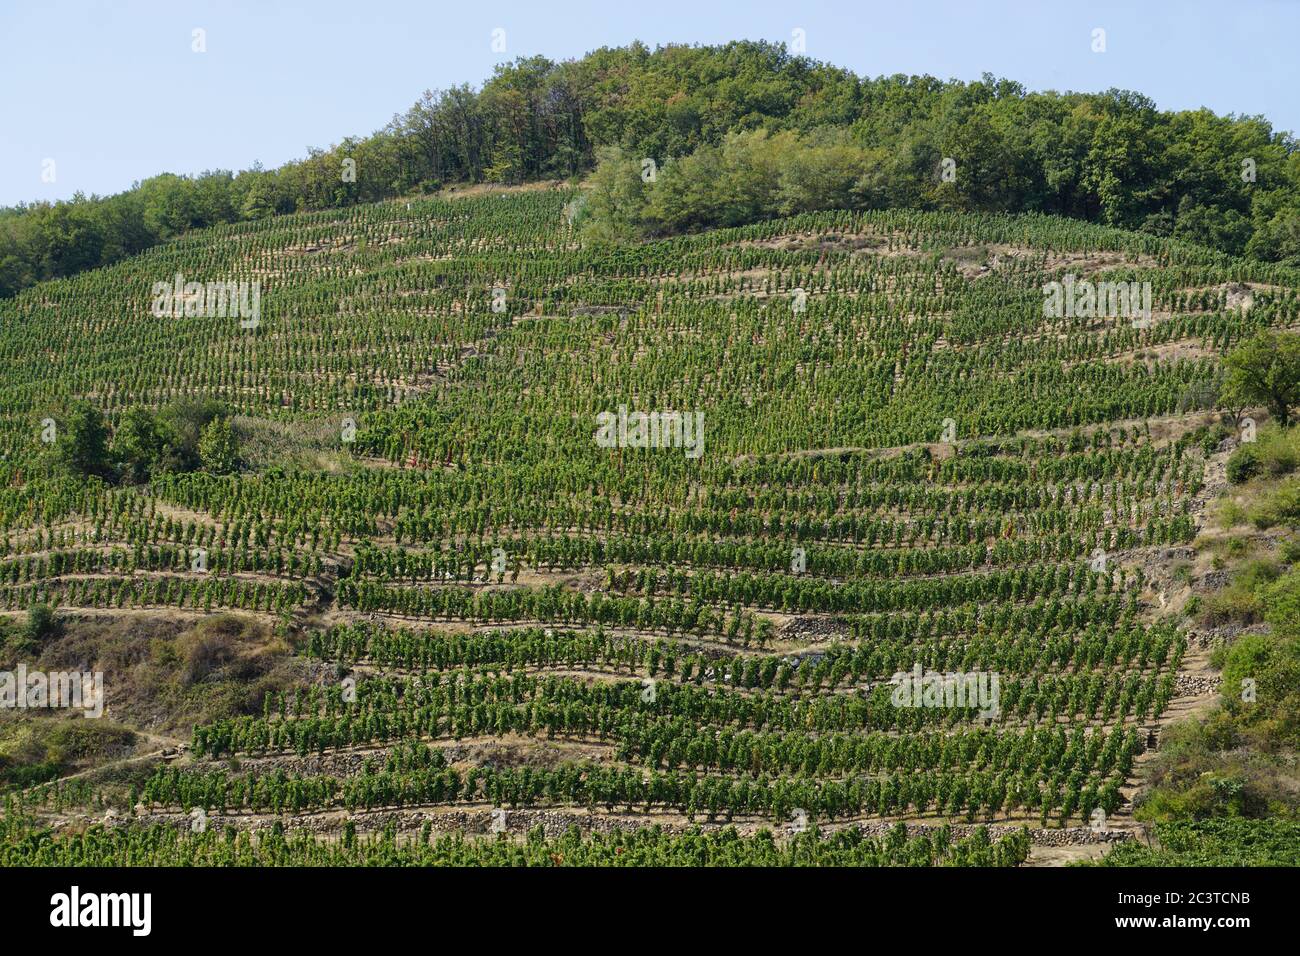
[(501, 621)]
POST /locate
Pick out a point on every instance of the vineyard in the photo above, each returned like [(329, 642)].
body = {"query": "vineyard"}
[(513, 645)]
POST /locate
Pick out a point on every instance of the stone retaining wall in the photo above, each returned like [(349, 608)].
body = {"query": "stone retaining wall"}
[(555, 823)]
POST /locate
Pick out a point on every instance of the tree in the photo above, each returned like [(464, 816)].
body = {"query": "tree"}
[(82, 445), (137, 444), (1265, 371), (218, 447), (257, 204), (181, 425), (822, 176), (615, 203)]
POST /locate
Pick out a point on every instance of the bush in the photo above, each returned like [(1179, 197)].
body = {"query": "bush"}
[(1282, 605), (1281, 506), (146, 443), (1229, 513), (41, 623), (206, 652), (1231, 605), (750, 176), (76, 740), (1278, 451), (1243, 464), (1245, 658), (1213, 436), (220, 648)]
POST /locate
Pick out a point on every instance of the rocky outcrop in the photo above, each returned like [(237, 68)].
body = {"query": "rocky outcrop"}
[(815, 630)]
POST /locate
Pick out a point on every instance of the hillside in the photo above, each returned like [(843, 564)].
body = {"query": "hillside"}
[(428, 597)]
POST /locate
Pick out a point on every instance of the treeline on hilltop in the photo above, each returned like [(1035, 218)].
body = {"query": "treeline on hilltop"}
[(1108, 157), (761, 174)]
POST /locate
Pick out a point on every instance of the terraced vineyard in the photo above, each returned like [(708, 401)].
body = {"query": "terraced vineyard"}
[(891, 463)]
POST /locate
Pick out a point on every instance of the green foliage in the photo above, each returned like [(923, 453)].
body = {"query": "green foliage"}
[(1239, 760), (33, 751), (257, 203), (1106, 157), (1277, 451), (1220, 842), (138, 444), (1243, 464), (218, 447), (81, 445), (182, 436), (613, 208), (1242, 600), (22, 844), (40, 624), (183, 422), (1265, 371), (750, 176), (76, 739), (1282, 605), (1277, 506), (1246, 658)]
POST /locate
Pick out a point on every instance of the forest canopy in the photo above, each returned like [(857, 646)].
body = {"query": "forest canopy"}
[(1231, 183)]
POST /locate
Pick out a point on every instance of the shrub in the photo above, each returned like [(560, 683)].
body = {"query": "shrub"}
[(1281, 506), (41, 623), (1243, 464), (1278, 451), (74, 740), (1282, 605)]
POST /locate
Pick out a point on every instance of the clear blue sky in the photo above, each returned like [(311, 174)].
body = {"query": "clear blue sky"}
[(112, 92)]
